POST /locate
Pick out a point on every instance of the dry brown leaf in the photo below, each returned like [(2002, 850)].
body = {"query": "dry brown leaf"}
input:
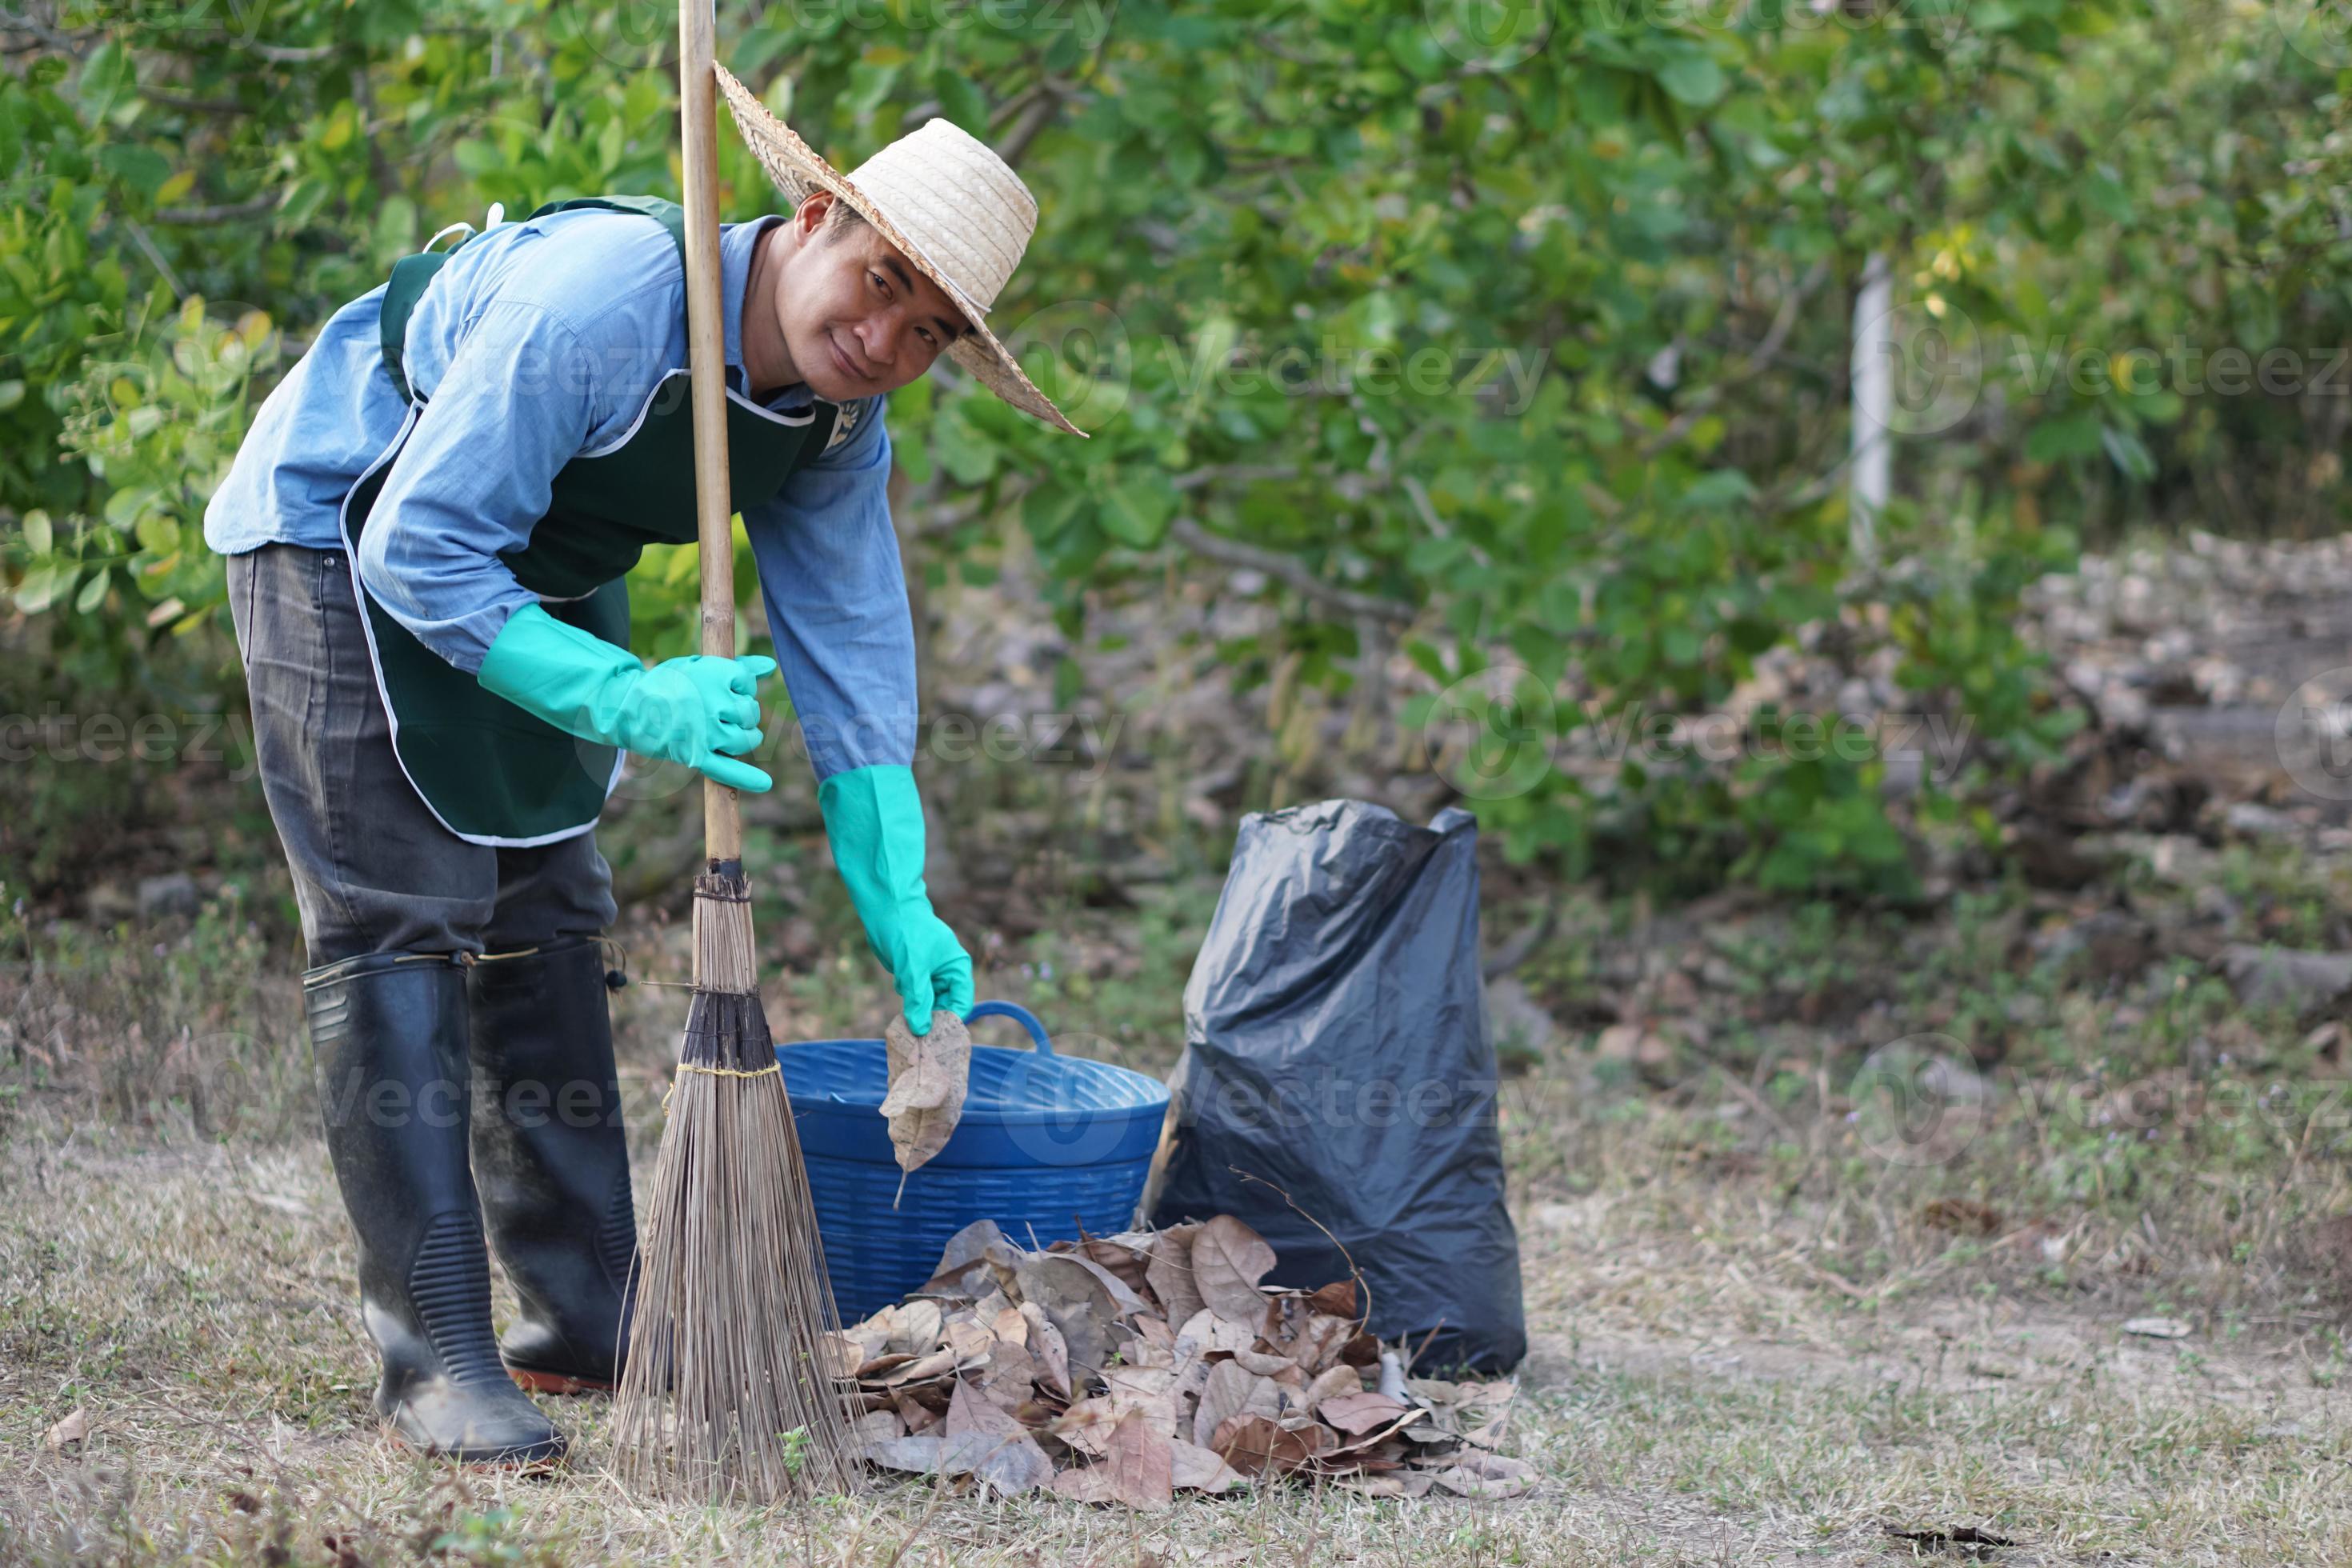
[(970, 1339), (1087, 1426), (916, 1329), (838, 1356), (1141, 1464), (1264, 1364), (1125, 1302), (1050, 1350), (1335, 1300), (1319, 1341), (1399, 1483), (1231, 1391), (1170, 1272), (939, 1364), (918, 1454), (982, 1438), (1148, 1391), (872, 1336), (1332, 1383), (1075, 1301), (1357, 1413), (963, 1262), (1196, 1469), (1389, 1443), (1486, 1476), (1212, 1333), (1123, 1262), (1009, 1373), (875, 1427), (1228, 1260), (1153, 1333), (1256, 1444), (70, 1429), (1191, 1382), (1085, 1483), (928, 1077)]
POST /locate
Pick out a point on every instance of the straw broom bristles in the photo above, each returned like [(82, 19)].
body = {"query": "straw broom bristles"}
[(728, 1393)]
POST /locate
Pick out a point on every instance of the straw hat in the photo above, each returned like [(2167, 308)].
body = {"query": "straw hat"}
[(951, 205)]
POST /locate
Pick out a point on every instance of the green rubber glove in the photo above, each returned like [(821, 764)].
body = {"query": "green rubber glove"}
[(694, 709), (874, 821)]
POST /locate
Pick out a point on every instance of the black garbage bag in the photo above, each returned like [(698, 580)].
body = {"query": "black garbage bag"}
[(1336, 1050)]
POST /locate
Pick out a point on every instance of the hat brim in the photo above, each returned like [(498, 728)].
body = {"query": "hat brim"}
[(796, 169)]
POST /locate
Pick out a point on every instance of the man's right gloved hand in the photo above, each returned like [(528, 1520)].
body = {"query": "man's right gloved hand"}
[(697, 710)]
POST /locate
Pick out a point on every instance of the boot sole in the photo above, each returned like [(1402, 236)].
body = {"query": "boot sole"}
[(556, 1382)]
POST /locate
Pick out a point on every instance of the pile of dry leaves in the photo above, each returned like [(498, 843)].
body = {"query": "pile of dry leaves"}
[(1120, 1369)]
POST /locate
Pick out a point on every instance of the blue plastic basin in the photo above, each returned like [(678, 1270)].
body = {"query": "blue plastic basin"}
[(1047, 1143)]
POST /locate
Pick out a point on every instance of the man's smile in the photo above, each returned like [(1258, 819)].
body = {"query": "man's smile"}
[(841, 358)]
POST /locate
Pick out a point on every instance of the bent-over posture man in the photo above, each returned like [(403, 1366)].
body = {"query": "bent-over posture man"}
[(427, 531)]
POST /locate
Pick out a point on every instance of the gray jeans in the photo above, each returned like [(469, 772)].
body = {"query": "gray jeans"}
[(373, 870)]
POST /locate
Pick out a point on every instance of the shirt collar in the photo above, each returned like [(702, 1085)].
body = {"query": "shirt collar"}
[(737, 241)]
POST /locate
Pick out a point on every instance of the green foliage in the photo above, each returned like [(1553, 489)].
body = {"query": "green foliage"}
[(1529, 352)]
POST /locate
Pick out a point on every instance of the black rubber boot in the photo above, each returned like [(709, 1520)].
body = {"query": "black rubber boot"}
[(388, 1031), (552, 1162)]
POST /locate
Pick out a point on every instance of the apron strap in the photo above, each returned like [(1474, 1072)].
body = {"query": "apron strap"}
[(412, 274)]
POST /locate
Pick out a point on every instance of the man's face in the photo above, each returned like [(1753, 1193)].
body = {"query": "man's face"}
[(858, 318)]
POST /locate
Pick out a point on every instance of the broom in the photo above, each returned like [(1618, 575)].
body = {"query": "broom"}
[(728, 1390)]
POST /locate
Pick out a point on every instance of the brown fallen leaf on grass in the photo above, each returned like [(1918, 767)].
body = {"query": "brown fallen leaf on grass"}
[(1254, 1445), (70, 1431), (929, 1074)]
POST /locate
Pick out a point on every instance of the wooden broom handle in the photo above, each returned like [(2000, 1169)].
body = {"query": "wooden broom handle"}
[(706, 344)]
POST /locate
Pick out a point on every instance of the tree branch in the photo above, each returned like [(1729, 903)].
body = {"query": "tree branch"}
[(1291, 573), (1033, 117), (288, 55), (1783, 321), (232, 212)]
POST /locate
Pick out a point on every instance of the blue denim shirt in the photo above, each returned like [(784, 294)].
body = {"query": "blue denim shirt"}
[(536, 342)]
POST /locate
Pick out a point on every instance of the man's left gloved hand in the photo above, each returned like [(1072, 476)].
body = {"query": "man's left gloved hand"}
[(874, 820)]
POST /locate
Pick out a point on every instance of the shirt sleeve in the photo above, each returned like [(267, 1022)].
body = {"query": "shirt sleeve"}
[(514, 404), (836, 603)]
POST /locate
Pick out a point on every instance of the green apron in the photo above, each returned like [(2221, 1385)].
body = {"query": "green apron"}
[(491, 773)]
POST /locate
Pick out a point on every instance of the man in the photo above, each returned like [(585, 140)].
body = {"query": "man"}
[(427, 530)]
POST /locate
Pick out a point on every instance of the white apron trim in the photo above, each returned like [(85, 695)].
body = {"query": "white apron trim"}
[(375, 664), (774, 416)]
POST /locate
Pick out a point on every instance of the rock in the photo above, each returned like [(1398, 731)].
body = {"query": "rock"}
[(1650, 1055), (2158, 1328), (2273, 977), (1517, 1016), (2249, 819), (174, 893)]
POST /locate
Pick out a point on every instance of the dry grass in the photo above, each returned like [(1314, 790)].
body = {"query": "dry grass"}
[(1755, 1339), (1700, 1393)]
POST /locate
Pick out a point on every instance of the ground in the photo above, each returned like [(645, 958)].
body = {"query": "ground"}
[(2095, 1303), (1756, 1336)]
